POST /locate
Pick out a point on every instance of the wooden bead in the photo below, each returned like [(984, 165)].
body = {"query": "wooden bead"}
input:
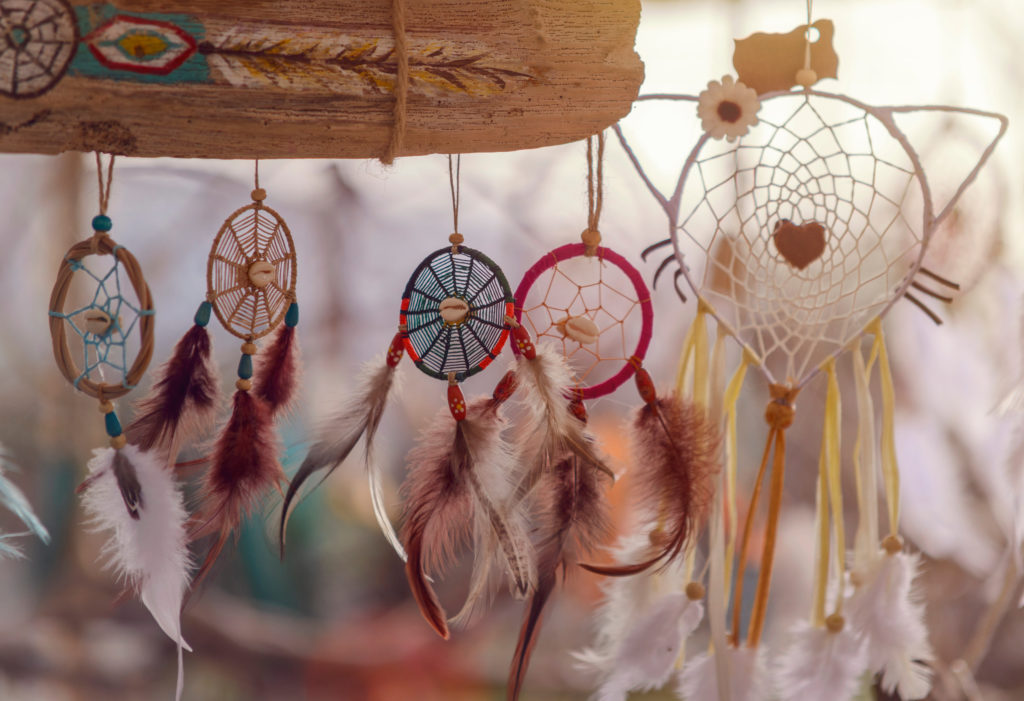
[(645, 386), (835, 623), (106, 406), (506, 387), (578, 410), (118, 442), (695, 591), (591, 238), (456, 239), (244, 385), (396, 350), (892, 544), (806, 77), (456, 402), (521, 337), (249, 348), (259, 194)]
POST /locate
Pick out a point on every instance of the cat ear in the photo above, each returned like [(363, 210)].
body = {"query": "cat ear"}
[(930, 126)]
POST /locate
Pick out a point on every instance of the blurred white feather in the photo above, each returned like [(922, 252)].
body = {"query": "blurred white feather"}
[(820, 664), (748, 676)]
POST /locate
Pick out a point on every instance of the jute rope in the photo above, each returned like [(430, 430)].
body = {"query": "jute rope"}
[(100, 245), (401, 82), (595, 194)]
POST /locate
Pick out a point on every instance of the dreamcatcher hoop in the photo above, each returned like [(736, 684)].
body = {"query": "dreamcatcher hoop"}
[(38, 39), (747, 178), (456, 295), (561, 254), (251, 271), (101, 245)]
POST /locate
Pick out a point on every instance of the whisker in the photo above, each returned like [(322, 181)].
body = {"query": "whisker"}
[(939, 278), (920, 305), (931, 293)]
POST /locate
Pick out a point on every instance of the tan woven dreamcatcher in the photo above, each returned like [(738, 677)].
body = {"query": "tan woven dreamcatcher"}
[(798, 220)]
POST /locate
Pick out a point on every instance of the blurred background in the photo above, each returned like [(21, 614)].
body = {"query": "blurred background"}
[(334, 620)]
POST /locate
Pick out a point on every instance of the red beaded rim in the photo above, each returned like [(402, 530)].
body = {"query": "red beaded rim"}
[(643, 296)]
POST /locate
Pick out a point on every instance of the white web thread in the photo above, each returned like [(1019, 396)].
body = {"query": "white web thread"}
[(813, 157)]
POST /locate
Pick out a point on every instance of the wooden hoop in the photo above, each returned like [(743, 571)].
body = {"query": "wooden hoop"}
[(100, 245)]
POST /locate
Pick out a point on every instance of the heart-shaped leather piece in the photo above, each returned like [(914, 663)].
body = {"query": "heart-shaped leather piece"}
[(799, 244)]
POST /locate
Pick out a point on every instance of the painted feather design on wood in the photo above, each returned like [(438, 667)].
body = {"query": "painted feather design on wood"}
[(258, 56)]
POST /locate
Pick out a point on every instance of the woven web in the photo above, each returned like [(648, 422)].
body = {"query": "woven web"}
[(251, 235), (593, 289), (468, 346), (817, 159), (107, 351)]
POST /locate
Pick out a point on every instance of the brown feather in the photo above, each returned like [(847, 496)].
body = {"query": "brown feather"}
[(573, 520), (277, 370), (676, 454), (182, 399), (243, 468), (128, 484)]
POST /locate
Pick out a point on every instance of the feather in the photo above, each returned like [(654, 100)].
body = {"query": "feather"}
[(182, 400), (676, 457), (338, 436), (501, 526), (128, 484), (277, 370), (748, 677), (13, 499), (886, 611), (820, 664), (450, 495), (647, 656), (149, 551), (572, 519), (244, 466)]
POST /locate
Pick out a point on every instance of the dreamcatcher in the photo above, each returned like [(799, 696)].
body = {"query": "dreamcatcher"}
[(454, 319), (796, 235), (591, 313), (251, 274), (101, 323)]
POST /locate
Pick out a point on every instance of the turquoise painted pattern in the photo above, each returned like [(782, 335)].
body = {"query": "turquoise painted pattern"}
[(91, 17)]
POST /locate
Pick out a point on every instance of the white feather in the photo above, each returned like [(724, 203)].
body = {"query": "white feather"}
[(748, 677), (820, 664), (885, 610), (150, 553)]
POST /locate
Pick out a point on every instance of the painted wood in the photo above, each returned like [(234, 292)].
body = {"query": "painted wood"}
[(310, 78)]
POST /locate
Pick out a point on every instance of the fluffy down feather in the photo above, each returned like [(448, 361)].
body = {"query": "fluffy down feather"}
[(339, 435), (676, 458), (244, 466), (150, 552), (748, 677), (820, 664), (182, 399), (886, 611)]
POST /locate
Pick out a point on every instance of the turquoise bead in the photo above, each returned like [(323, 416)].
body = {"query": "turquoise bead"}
[(245, 366), (202, 317), (291, 317), (113, 425), (102, 222)]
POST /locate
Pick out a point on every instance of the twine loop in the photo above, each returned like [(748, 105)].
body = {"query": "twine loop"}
[(595, 194)]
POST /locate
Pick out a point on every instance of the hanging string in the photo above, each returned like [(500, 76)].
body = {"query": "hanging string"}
[(256, 184), (104, 188), (595, 194), (455, 185), (401, 82), (807, 76)]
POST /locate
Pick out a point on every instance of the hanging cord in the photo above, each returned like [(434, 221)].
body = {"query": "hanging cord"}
[(595, 194), (401, 82), (101, 223), (258, 193), (807, 76), (455, 185)]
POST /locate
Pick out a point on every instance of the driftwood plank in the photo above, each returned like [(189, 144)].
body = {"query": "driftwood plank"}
[(310, 78)]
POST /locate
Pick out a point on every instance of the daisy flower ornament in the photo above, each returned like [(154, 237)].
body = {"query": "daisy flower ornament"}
[(727, 108)]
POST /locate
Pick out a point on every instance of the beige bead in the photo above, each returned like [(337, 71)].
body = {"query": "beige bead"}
[(261, 273), (695, 591), (591, 238), (118, 442), (892, 544), (244, 385), (835, 623), (806, 77), (456, 239), (106, 406), (249, 348), (259, 194)]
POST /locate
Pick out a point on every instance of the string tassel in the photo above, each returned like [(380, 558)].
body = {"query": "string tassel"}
[(183, 397), (337, 437), (244, 466)]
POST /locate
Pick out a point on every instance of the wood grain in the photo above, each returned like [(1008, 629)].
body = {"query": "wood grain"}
[(290, 79)]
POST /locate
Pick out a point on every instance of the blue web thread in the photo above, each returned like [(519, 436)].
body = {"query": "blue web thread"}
[(107, 349)]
